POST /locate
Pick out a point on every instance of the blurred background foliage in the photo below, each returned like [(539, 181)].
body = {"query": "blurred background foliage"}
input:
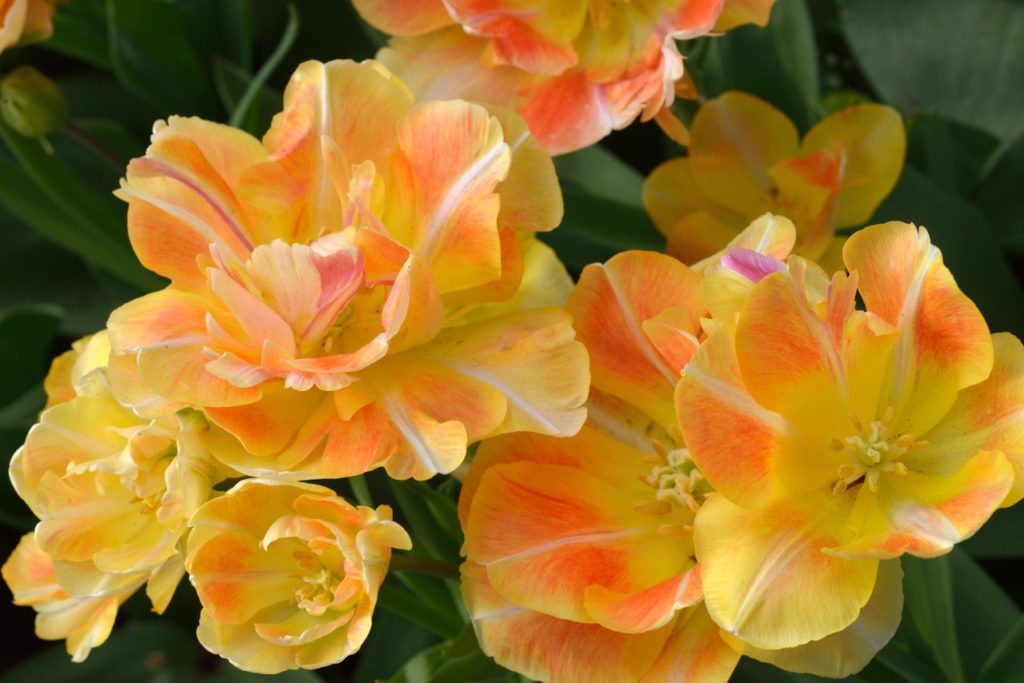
[(955, 70)]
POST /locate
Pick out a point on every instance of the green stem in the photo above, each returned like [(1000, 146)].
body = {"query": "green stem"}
[(424, 565), (291, 32)]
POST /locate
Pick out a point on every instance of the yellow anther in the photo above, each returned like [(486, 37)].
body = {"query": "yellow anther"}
[(675, 530), (658, 507), (835, 444), (887, 418)]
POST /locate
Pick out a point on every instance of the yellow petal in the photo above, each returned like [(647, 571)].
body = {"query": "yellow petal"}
[(766, 579), (695, 652), (870, 140), (410, 19), (845, 653)]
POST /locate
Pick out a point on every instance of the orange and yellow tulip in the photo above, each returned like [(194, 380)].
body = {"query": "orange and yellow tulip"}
[(746, 158), (583, 563), (838, 439), (575, 69), (113, 492), (25, 21), (288, 574), (340, 293)]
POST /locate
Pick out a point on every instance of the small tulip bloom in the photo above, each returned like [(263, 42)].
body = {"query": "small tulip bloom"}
[(574, 69), (341, 292), (26, 21), (746, 158), (288, 574), (837, 439)]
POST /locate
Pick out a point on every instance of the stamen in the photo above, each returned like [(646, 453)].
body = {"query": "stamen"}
[(659, 507)]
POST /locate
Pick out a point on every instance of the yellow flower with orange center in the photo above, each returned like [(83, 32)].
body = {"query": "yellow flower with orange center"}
[(344, 294), (746, 158), (837, 439), (575, 69), (288, 574)]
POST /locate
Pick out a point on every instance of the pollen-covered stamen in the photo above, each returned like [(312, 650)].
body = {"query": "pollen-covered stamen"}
[(676, 480), (874, 450)]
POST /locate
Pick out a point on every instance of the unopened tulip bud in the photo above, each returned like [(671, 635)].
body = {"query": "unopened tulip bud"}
[(31, 103)]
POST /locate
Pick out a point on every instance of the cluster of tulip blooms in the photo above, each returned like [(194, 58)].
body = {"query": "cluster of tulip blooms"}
[(685, 458)]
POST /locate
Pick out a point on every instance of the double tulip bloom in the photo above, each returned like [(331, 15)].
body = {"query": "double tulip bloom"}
[(574, 69), (759, 453)]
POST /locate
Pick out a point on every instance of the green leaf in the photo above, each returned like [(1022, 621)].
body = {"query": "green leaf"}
[(252, 91), (456, 661), (964, 60), (50, 198), (400, 602), (152, 53), (595, 229), (1000, 197), (952, 154), (1006, 665), (984, 612), (1000, 537), (928, 591), (600, 173), (232, 82), (80, 31), (26, 336), (968, 247), (430, 537), (143, 652), (778, 63), (226, 673), (391, 643)]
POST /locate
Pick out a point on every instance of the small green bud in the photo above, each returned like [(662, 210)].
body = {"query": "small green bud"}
[(31, 103)]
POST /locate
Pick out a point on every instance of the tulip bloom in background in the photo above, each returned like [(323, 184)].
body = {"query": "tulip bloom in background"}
[(745, 158), (838, 439), (575, 70), (288, 574), (113, 493), (343, 296), (26, 21), (581, 564)]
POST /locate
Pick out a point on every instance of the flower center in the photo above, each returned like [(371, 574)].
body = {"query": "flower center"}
[(675, 479), (317, 591), (871, 452)]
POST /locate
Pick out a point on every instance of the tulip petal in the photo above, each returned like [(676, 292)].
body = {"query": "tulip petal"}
[(926, 515), (984, 417), (240, 644), (546, 533), (845, 653), (408, 19), (869, 139), (610, 306), (738, 12), (644, 611), (766, 579), (944, 344), (694, 653), (452, 158), (530, 197), (545, 648), (735, 139)]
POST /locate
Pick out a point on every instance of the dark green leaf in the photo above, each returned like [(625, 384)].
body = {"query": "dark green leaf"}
[(778, 63), (1001, 536), (26, 336), (232, 82), (146, 652), (984, 613), (152, 53), (1000, 197), (80, 31), (599, 172), (392, 642), (430, 537), (254, 88), (405, 604), (928, 591), (952, 154), (962, 59), (1006, 665)]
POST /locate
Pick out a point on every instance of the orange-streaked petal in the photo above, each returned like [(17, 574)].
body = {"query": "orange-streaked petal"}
[(845, 653), (766, 579), (610, 305), (944, 345), (443, 201), (646, 610), (405, 19), (869, 139), (546, 533), (531, 199), (694, 653), (546, 648), (984, 417), (736, 443), (735, 139), (925, 515)]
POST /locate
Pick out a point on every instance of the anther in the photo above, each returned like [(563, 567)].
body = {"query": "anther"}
[(835, 444), (659, 507)]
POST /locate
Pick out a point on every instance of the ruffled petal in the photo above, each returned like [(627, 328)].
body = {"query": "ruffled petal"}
[(610, 306), (766, 579), (738, 12), (545, 648), (694, 653), (944, 344), (408, 19)]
